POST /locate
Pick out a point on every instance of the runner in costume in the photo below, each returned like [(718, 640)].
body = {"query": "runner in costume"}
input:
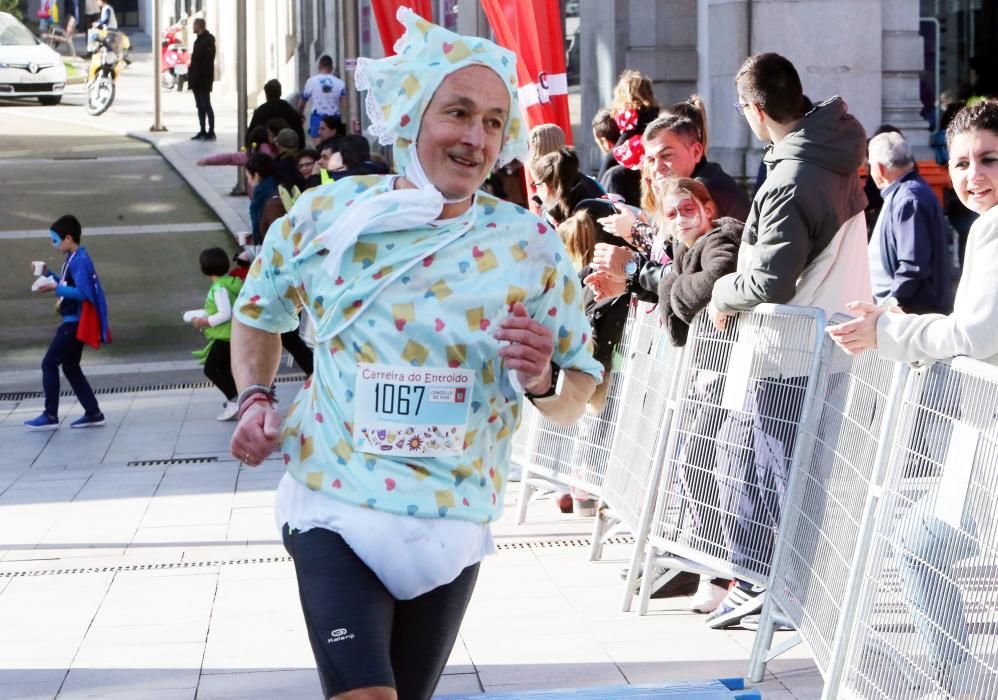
[(437, 308)]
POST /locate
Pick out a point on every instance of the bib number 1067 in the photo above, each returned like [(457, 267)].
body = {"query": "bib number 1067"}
[(398, 399)]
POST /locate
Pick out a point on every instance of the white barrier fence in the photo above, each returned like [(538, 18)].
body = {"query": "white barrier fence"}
[(558, 457), (859, 493)]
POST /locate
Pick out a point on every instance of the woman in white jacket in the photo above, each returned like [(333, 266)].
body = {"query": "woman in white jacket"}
[(926, 547)]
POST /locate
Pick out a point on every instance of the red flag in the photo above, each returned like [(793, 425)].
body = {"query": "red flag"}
[(388, 26), (532, 30)]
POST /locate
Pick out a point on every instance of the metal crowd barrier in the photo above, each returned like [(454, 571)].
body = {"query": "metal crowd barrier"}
[(626, 502), (859, 492), (926, 611), (742, 395), (828, 514), (575, 456)]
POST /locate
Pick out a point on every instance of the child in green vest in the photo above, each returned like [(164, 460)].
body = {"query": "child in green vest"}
[(215, 321)]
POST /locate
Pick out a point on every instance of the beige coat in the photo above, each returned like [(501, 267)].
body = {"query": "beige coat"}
[(972, 329)]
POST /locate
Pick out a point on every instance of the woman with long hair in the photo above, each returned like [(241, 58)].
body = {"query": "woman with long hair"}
[(561, 185)]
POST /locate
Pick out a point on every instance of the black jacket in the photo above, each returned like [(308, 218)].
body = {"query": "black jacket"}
[(685, 290), (201, 73), (730, 198), (811, 193), (278, 108), (624, 182)]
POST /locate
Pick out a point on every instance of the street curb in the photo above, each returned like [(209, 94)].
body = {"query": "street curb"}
[(202, 188)]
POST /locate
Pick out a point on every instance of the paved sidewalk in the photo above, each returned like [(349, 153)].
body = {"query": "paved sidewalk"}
[(139, 561)]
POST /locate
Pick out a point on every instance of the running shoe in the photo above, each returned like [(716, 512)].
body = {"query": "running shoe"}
[(42, 422), (736, 605), (88, 421), (708, 596), (230, 409)]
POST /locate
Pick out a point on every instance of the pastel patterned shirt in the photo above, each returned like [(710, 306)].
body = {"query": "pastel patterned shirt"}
[(400, 305)]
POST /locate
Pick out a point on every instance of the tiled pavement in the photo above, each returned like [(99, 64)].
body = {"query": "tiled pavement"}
[(168, 581)]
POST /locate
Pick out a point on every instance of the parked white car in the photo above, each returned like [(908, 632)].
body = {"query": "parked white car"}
[(28, 68)]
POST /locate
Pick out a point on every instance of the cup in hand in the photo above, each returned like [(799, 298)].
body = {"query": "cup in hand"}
[(37, 268)]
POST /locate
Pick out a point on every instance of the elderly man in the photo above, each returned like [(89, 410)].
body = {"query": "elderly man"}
[(437, 308), (908, 249)]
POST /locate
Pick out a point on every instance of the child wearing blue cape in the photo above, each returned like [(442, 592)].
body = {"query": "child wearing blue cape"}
[(83, 310)]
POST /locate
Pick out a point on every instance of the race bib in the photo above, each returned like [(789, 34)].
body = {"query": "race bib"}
[(411, 411)]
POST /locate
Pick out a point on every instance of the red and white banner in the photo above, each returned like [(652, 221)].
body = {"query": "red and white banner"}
[(388, 27), (532, 30)]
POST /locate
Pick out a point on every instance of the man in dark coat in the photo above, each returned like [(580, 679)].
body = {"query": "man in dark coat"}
[(909, 259), (200, 76), (275, 107)]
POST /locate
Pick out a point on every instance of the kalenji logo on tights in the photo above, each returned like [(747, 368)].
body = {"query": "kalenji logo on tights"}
[(339, 635)]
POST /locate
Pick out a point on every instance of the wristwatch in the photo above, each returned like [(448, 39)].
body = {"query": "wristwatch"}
[(631, 267), (553, 389)]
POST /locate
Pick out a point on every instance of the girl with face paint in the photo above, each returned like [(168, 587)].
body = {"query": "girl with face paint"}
[(687, 210)]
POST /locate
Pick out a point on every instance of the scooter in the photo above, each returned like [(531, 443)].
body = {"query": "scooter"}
[(110, 54), (176, 59)]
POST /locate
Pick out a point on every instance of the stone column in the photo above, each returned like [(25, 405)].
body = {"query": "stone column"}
[(903, 61), (722, 45), (834, 44), (656, 38)]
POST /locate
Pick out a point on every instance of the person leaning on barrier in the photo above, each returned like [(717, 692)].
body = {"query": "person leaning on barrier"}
[(705, 249), (804, 243), (674, 147), (682, 286), (608, 317), (909, 259), (436, 307), (927, 547)]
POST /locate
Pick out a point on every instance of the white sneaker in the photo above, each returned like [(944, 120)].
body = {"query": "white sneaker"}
[(229, 412), (708, 596)]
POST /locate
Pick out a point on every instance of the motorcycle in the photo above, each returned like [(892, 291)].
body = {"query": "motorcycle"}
[(175, 58), (109, 54)]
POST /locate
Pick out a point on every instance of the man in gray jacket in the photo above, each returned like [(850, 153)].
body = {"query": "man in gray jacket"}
[(804, 243)]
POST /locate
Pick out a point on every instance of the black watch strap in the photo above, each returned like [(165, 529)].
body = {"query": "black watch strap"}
[(555, 371)]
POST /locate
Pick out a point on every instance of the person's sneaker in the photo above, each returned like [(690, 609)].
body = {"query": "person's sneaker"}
[(42, 422), (736, 605), (229, 411), (200, 136), (751, 622), (708, 596), (683, 583), (210, 136), (88, 421)]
